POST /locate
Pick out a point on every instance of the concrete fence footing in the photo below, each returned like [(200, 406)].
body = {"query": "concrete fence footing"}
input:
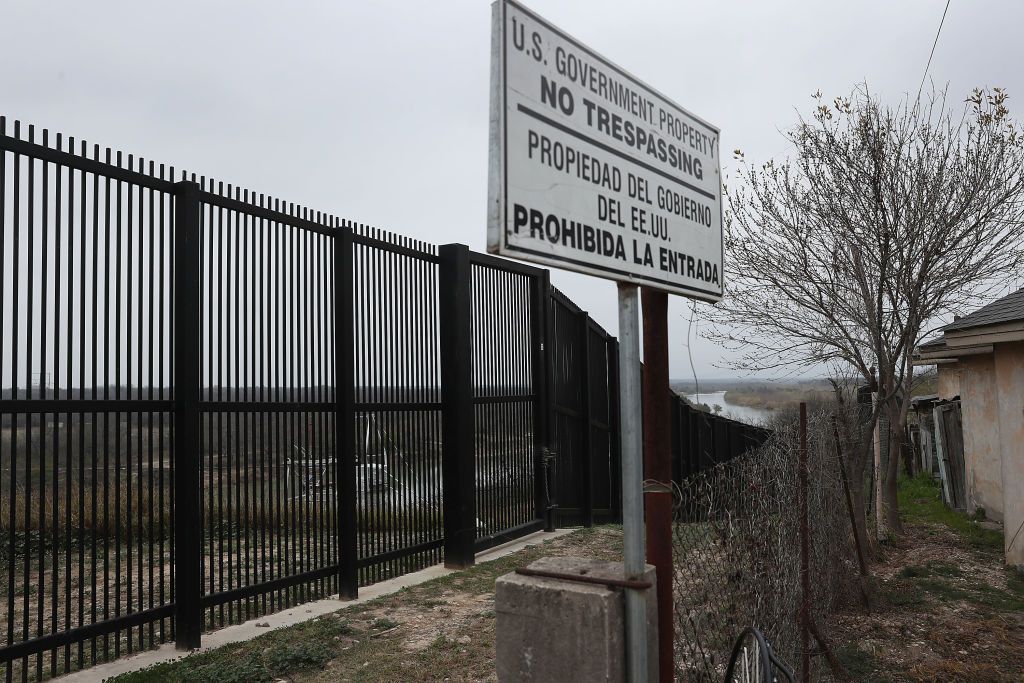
[(554, 629)]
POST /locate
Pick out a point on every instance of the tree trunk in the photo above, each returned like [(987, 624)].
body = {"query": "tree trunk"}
[(858, 458), (907, 453), (890, 484), (861, 519), (877, 477)]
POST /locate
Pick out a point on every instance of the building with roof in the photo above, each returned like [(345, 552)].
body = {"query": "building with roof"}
[(980, 360)]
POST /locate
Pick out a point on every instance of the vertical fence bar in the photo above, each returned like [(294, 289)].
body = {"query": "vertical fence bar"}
[(541, 295), (187, 480), (586, 422), (457, 467), (550, 354), (614, 430), (675, 409), (345, 415)]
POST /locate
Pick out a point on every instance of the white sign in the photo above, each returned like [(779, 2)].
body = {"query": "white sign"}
[(591, 170)]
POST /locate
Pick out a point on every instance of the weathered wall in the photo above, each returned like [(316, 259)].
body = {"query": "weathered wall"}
[(949, 381), (1009, 368), (979, 406)]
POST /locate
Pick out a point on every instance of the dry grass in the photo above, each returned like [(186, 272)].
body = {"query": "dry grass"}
[(439, 630), (140, 512), (945, 608), (118, 510)]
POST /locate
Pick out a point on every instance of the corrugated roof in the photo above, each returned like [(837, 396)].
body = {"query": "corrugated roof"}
[(1006, 310), (935, 342)]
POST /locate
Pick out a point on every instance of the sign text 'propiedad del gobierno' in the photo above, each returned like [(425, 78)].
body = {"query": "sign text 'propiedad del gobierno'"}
[(593, 171)]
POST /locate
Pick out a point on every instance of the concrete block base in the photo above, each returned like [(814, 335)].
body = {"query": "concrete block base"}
[(562, 630)]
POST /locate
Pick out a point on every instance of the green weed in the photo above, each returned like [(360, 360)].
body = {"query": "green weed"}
[(860, 664), (903, 594), (384, 624), (921, 501), (930, 569), (288, 658)]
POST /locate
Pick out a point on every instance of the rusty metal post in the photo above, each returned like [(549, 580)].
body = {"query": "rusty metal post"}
[(849, 498), (658, 465), (805, 554)]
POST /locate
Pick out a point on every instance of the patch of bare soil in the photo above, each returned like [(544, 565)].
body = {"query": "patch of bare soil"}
[(942, 611), (423, 624)]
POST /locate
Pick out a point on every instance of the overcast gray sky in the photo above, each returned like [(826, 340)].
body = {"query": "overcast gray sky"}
[(378, 111)]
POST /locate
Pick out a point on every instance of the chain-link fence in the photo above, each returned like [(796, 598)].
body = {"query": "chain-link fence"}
[(736, 545)]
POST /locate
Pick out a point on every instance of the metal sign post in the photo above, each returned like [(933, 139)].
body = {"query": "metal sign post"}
[(594, 171), (632, 479)]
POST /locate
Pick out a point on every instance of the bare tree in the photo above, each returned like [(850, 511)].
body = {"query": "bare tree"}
[(882, 223)]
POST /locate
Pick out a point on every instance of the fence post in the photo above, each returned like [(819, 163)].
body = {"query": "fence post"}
[(458, 469), (188, 621), (705, 441), (615, 444), (721, 437), (805, 551), (540, 338), (588, 452), (345, 414), (686, 450), (735, 440), (658, 466), (554, 456), (675, 405)]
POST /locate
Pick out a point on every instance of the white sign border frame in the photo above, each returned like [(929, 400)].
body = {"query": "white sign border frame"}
[(497, 176)]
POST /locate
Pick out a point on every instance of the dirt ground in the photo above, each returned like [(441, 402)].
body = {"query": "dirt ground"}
[(445, 630), (944, 607), (442, 630)]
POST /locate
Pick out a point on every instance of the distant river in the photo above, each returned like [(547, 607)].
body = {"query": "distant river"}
[(735, 412)]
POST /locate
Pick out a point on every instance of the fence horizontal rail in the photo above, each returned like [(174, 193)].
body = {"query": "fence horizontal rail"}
[(84, 405), (391, 247), (254, 210), (81, 162), (78, 634), (504, 265)]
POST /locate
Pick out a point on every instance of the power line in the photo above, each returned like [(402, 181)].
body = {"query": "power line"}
[(932, 53)]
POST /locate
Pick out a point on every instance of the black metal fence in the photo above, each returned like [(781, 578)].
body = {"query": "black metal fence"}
[(702, 440), (215, 404)]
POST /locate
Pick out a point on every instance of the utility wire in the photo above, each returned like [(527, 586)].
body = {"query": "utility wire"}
[(923, 76), (932, 53), (689, 351)]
